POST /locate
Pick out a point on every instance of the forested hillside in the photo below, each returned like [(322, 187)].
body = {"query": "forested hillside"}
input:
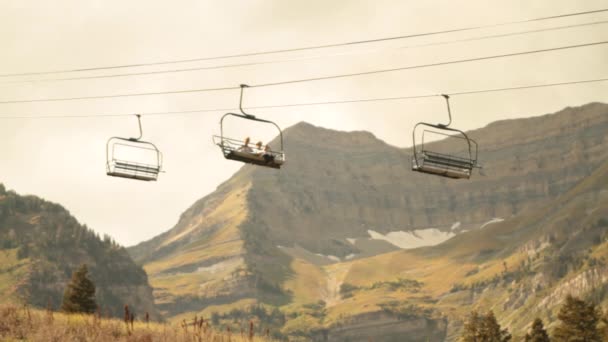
[(41, 244)]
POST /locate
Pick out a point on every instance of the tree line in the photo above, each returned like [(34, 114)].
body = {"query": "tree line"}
[(579, 320)]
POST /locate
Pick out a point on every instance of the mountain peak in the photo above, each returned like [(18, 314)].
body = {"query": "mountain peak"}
[(304, 133)]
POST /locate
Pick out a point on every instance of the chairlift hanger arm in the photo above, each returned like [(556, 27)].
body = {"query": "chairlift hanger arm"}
[(141, 132), (447, 101), (247, 116)]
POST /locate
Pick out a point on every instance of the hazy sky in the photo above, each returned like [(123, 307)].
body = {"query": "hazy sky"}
[(63, 160)]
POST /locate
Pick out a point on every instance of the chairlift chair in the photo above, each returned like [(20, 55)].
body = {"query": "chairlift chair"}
[(444, 164), (235, 149), (128, 166)]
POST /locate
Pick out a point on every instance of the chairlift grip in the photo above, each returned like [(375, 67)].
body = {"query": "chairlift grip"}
[(247, 116)]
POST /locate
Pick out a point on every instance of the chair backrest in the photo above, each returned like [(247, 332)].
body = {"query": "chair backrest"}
[(124, 156)]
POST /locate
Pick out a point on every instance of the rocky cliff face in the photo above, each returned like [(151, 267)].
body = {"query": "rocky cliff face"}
[(42, 244), (347, 196), (382, 327), (340, 185)]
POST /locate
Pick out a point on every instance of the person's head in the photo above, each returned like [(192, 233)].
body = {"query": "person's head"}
[(247, 141), (259, 145), (267, 148)]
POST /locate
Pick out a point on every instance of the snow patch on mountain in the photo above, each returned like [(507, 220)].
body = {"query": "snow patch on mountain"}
[(494, 220), (413, 239), (334, 258), (330, 257)]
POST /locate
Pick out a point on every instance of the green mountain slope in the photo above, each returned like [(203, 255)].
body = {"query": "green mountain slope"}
[(41, 244)]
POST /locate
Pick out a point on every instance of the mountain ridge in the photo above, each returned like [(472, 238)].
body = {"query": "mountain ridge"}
[(310, 222)]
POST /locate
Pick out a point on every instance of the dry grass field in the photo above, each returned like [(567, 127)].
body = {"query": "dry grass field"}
[(20, 323)]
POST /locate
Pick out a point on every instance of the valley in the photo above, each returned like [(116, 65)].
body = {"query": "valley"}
[(345, 243)]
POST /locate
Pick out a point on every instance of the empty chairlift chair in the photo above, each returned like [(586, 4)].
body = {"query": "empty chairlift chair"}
[(444, 164), (238, 150), (133, 158)]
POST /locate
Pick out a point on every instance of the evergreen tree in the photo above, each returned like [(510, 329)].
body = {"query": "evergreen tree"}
[(484, 328), (538, 332), (79, 295), (603, 326), (470, 332), (579, 321), (490, 330)]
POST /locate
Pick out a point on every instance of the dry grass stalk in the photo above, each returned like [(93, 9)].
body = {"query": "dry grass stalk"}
[(49, 311), (126, 318)]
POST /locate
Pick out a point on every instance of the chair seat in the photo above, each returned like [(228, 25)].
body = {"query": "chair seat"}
[(133, 170), (231, 150), (443, 165), (446, 160), (132, 176), (136, 167), (253, 158), (442, 171)]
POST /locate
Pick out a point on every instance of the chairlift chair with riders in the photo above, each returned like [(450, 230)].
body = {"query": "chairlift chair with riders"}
[(444, 164), (235, 149), (133, 158)]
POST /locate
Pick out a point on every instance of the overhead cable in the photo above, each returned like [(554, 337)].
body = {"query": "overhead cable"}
[(276, 61), (314, 79), (476, 59), (307, 104), (314, 47)]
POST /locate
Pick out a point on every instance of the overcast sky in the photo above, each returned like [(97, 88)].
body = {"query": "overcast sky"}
[(63, 160)]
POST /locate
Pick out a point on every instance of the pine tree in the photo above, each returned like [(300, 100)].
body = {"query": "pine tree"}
[(484, 328), (579, 321), (538, 332), (490, 330), (79, 295), (470, 332), (603, 326)]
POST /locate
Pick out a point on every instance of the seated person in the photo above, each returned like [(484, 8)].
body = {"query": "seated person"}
[(268, 156), (245, 147)]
